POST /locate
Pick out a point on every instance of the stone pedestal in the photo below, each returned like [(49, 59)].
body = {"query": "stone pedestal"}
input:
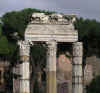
[(77, 73), (24, 67), (51, 67)]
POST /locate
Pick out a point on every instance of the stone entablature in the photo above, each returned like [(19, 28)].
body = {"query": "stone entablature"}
[(54, 18), (58, 27)]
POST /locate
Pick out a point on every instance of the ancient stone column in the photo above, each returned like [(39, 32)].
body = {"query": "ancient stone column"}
[(77, 73), (24, 67), (51, 67)]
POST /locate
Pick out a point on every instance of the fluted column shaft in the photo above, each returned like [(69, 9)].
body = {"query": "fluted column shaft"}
[(51, 67), (24, 67), (77, 73)]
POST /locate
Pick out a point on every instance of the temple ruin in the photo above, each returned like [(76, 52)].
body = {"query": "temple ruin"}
[(51, 30)]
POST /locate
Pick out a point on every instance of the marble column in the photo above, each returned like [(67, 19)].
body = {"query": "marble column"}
[(24, 67), (77, 73), (51, 67)]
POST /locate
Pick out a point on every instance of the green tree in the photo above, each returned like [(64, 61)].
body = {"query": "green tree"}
[(14, 26), (17, 21), (89, 34), (7, 48), (4, 47), (0, 30)]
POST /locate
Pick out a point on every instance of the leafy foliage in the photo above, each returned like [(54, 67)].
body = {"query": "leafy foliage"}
[(4, 47), (39, 55), (0, 30), (13, 29), (89, 34), (7, 48), (14, 26), (17, 21)]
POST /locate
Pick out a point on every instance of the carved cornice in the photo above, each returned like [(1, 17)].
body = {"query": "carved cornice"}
[(41, 18)]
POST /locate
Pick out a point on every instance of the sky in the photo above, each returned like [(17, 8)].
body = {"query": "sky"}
[(82, 8)]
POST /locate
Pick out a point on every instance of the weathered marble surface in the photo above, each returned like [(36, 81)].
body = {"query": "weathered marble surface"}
[(50, 29), (60, 33), (24, 67), (57, 27), (77, 72), (51, 67), (52, 18)]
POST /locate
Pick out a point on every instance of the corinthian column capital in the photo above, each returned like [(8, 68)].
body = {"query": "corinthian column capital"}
[(78, 49), (51, 55), (24, 49)]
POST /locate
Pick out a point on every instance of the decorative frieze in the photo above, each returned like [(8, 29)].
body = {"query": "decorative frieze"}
[(41, 18)]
